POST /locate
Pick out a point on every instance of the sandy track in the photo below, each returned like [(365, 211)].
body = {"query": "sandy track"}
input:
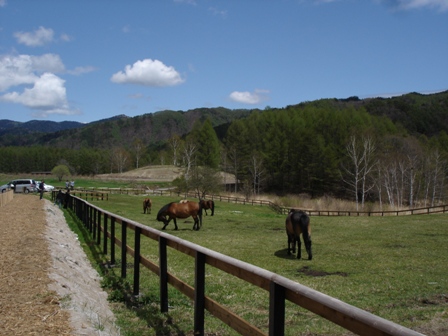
[(47, 285)]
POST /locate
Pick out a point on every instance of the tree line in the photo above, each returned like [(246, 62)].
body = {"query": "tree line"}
[(315, 149)]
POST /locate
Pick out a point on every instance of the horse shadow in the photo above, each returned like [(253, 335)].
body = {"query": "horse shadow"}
[(283, 254)]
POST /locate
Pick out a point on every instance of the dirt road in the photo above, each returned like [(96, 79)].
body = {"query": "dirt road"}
[(47, 285)]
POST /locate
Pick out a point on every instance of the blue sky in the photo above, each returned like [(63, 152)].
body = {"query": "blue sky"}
[(85, 60)]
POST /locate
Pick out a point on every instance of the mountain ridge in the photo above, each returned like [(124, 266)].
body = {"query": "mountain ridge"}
[(417, 113)]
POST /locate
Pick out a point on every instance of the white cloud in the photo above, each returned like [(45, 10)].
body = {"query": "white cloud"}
[(81, 70), (441, 5), (48, 95), (219, 12), (2, 3), (45, 92), (21, 69), (188, 2), (39, 37), (65, 37), (251, 98), (149, 73), (47, 63)]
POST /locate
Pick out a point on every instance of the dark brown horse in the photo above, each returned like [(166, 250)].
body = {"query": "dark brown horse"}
[(175, 210), (147, 204), (208, 205), (298, 222)]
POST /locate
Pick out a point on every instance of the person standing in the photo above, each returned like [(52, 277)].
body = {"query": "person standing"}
[(59, 199), (41, 188)]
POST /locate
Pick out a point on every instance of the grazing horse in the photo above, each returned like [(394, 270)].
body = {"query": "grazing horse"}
[(147, 205), (208, 205), (298, 222), (174, 210)]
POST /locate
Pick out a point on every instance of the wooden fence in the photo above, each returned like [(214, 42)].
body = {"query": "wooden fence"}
[(6, 197), (102, 225), (277, 208)]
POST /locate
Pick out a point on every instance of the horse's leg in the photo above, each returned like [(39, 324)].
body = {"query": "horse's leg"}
[(165, 222), (175, 223), (308, 248), (289, 245), (299, 251), (196, 223), (290, 242)]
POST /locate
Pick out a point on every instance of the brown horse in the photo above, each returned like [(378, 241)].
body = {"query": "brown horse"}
[(175, 210), (298, 222), (208, 205), (147, 204)]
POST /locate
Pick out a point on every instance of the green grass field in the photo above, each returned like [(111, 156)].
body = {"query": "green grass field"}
[(393, 267)]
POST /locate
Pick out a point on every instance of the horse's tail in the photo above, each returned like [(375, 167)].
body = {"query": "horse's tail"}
[(304, 223), (213, 207)]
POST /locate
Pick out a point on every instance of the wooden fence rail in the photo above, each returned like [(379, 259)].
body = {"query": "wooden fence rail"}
[(277, 208), (6, 197), (102, 225)]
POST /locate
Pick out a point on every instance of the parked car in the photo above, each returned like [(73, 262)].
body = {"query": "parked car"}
[(20, 185), (47, 187), (5, 187)]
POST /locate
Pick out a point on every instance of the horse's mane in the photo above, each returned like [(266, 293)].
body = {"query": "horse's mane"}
[(163, 209)]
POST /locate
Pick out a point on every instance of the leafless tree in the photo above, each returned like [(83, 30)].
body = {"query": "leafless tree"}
[(361, 163), (234, 162), (256, 171), (175, 144), (138, 151), (119, 159), (189, 151), (437, 175)]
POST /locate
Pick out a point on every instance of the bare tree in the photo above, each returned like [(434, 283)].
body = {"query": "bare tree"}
[(438, 166), (234, 162), (138, 151), (119, 159), (175, 144), (256, 171), (378, 182), (189, 151), (361, 164)]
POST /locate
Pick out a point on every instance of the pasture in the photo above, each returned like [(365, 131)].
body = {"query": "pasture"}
[(393, 267)]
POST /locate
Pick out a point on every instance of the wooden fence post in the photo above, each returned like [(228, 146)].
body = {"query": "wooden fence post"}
[(112, 241), (199, 293), (123, 249), (94, 223), (137, 235), (98, 236), (276, 310), (105, 235), (163, 274)]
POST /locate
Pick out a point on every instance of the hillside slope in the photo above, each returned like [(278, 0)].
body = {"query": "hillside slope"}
[(418, 114)]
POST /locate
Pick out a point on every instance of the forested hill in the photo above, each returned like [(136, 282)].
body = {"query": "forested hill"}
[(418, 114), (120, 130)]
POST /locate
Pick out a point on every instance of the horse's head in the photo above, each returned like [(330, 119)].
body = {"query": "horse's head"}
[(161, 215)]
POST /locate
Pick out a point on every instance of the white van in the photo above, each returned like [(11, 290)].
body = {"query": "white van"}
[(20, 186)]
